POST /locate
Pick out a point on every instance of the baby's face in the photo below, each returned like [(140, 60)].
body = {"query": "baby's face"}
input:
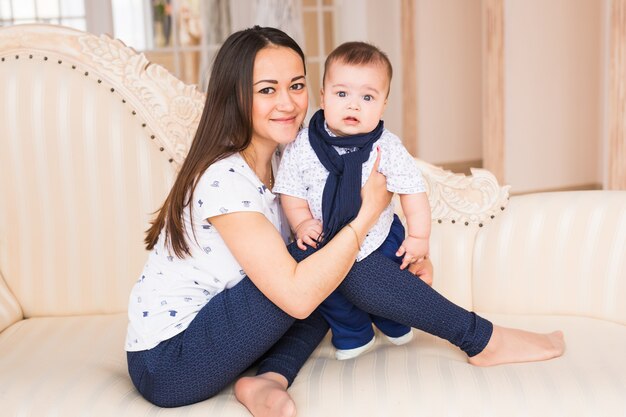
[(354, 97)]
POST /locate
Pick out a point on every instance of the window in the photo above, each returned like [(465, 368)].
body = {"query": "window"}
[(319, 41), (181, 35), (60, 12), (184, 35)]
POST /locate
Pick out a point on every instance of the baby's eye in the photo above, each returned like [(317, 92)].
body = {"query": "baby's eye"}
[(368, 97), (341, 93), (298, 86), (267, 90)]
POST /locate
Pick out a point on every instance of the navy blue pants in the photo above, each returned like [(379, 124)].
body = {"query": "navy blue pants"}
[(351, 327), (240, 327)]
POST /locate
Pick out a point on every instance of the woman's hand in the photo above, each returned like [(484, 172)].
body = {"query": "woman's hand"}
[(423, 269), (375, 197)]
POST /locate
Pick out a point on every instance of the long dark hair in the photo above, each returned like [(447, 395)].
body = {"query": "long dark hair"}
[(224, 129)]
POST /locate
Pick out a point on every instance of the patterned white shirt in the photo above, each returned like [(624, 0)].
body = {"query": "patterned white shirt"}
[(171, 291), (302, 175)]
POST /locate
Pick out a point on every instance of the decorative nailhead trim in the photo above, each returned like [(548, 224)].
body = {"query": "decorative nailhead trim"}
[(439, 221), (112, 89), (453, 221), (466, 224)]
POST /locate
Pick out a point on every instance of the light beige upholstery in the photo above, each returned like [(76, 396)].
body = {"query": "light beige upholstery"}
[(555, 253), (79, 173), (10, 310), (92, 135), (74, 367)]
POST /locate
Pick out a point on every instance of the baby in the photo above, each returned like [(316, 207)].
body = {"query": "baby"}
[(322, 172)]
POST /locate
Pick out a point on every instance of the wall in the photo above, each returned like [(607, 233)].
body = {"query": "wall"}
[(449, 83), (448, 39), (378, 23), (554, 93), (555, 83)]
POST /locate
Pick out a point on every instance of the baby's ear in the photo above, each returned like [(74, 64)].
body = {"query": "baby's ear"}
[(322, 98)]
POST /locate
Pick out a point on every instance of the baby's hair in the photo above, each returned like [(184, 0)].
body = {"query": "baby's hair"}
[(358, 53)]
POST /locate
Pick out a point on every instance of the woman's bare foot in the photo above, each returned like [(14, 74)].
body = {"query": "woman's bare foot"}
[(265, 395), (513, 345)]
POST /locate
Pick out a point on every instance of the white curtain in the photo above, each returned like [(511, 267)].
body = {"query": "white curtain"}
[(222, 17)]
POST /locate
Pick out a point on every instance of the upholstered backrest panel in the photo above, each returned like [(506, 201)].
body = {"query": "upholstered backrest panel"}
[(555, 253), (461, 205), (451, 251), (80, 175)]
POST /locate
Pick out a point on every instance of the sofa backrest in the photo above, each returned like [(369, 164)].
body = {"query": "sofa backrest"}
[(92, 136), (91, 139), (555, 253)]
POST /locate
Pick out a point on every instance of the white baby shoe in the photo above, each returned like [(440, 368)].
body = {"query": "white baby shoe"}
[(344, 354), (405, 338)]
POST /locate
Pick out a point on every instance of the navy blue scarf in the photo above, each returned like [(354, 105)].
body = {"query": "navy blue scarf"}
[(341, 199)]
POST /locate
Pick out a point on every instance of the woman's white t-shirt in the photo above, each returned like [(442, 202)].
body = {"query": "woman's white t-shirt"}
[(171, 291)]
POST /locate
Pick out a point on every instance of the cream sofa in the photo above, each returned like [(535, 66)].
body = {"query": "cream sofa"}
[(91, 135)]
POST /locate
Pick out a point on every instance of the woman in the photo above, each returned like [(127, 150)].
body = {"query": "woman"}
[(221, 291)]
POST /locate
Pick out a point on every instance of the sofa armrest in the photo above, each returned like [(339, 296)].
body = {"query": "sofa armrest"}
[(555, 253), (10, 310)]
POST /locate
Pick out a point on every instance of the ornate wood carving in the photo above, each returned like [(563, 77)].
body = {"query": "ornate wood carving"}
[(472, 199)]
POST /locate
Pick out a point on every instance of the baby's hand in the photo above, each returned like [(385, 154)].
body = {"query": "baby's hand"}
[(413, 249), (309, 232)]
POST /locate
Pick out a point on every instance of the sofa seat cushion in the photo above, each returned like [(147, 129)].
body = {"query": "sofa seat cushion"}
[(430, 377), (76, 366), (70, 366)]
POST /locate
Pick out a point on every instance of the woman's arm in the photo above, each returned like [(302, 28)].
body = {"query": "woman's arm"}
[(298, 288)]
